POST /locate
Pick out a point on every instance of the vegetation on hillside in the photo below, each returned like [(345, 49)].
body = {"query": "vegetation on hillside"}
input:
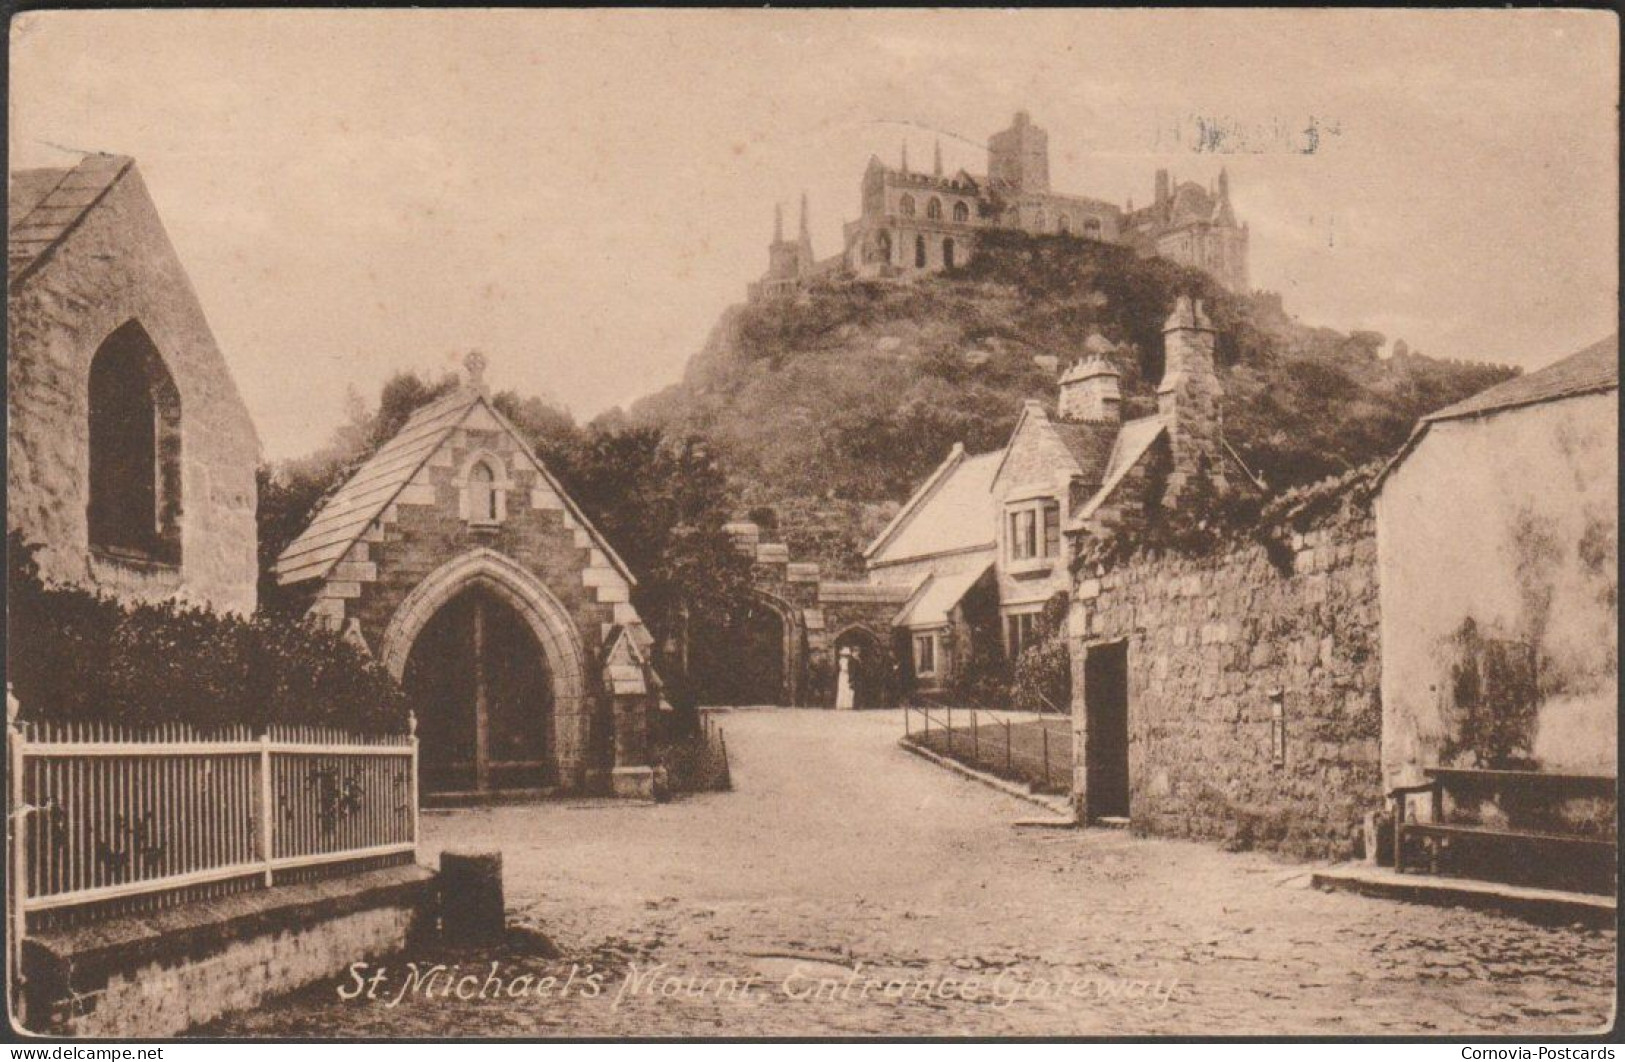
[(831, 407)]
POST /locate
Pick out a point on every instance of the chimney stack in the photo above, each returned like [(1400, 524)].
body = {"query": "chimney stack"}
[(1089, 387), (1189, 398)]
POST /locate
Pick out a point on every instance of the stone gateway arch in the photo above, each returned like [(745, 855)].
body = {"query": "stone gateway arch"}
[(455, 556)]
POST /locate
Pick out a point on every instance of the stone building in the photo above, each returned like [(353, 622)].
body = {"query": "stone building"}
[(456, 558), (941, 546), (1007, 524), (911, 221), (1232, 696), (130, 454), (1497, 536)]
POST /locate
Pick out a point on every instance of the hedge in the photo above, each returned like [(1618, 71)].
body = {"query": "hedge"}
[(79, 656)]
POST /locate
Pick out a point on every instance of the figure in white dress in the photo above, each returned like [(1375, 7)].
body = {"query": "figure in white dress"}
[(844, 698)]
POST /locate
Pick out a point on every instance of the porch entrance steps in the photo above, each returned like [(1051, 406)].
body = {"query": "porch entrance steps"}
[(1533, 904), (1058, 806)]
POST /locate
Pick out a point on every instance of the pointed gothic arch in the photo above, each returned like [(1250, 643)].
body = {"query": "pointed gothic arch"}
[(542, 612)]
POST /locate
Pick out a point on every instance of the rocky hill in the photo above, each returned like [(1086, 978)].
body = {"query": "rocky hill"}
[(829, 408)]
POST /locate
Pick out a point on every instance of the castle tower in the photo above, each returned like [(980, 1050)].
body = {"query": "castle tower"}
[(783, 256), (1018, 158), (804, 239), (1089, 391), (1190, 399), (1164, 189)]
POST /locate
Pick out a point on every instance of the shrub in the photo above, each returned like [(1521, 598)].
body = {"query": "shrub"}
[(83, 657), (1043, 673)]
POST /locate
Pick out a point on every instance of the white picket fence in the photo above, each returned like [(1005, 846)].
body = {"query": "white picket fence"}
[(103, 813)]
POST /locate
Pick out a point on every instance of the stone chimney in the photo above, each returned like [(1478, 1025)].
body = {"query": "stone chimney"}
[(1190, 399), (1089, 390)]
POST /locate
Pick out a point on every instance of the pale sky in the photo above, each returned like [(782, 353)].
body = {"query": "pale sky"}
[(581, 194)]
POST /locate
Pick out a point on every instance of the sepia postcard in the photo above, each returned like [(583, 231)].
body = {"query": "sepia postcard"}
[(812, 524)]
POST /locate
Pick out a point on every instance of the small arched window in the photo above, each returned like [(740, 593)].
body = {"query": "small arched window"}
[(883, 246), (1041, 220), (484, 490), (948, 254), (933, 209), (905, 206), (1091, 228), (134, 508), (919, 252), (961, 213), (482, 494), (1063, 224)]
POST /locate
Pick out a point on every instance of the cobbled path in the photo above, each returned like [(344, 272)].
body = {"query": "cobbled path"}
[(842, 859)]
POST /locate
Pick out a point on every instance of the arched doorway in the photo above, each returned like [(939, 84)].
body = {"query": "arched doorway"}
[(755, 656), (478, 682), (868, 667)]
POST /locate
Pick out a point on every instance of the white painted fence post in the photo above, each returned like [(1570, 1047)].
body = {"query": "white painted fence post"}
[(17, 835), (266, 790)]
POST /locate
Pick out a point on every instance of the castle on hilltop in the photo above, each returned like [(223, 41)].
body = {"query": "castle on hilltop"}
[(913, 222)]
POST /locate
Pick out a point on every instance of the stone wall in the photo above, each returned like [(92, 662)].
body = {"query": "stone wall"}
[(115, 267), (1210, 641), (158, 976)]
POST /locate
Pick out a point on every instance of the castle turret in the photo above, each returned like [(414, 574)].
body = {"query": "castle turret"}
[(1190, 399), (804, 240), (1018, 158), (1164, 192), (1089, 391)]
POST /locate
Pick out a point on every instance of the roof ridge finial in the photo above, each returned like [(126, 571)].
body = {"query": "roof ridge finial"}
[(474, 364)]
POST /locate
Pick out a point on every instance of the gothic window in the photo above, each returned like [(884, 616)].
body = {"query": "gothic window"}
[(135, 450), (905, 206), (961, 213), (1063, 224), (1091, 228), (883, 246), (485, 489), (1040, 220), (919, 252), (482, 494), (948, 254), (933, 209)]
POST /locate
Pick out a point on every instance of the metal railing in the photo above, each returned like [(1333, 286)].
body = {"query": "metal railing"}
[(102, 812), (1027, 759)]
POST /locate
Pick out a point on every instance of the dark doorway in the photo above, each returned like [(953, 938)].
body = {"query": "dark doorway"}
[(868, 668), (740, 659), (483, 697), (1105, 697)]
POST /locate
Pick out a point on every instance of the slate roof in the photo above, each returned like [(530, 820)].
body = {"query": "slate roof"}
[(1131, 445), (1596, 368), (1090, 445), (951, 511), (344, 516), (937, 596), (43, 206), (1587, 371)]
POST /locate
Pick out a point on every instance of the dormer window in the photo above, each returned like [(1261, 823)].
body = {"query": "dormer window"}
[(1033, 531), (484, 491)]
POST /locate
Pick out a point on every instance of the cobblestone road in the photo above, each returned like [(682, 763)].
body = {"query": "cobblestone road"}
[(839, 852)]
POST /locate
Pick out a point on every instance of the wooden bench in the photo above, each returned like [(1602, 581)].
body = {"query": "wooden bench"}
[(1532, 841)]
